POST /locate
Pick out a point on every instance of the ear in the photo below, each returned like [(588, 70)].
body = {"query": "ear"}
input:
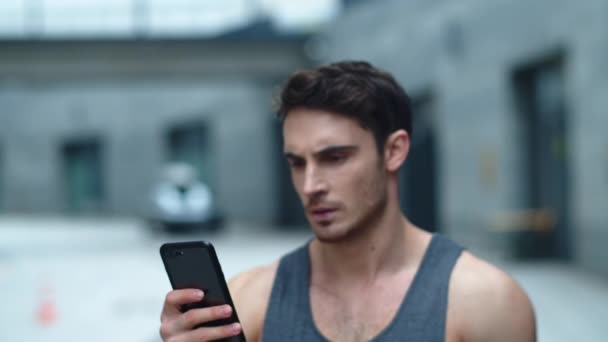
[(396, 150)]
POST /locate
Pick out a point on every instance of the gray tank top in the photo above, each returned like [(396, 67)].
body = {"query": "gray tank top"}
[(420, 318)]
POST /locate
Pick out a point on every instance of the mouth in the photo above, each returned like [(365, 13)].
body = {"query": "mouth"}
[(322, 214)]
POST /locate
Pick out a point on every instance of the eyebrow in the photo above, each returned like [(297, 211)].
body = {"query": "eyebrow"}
[(326, 150)]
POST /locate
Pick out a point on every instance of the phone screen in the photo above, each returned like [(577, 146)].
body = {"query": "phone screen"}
[(194, 265)]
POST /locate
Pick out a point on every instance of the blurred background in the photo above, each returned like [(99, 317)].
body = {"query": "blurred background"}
[(125, 124)]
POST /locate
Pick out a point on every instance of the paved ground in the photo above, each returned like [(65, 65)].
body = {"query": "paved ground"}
[(88, 280)]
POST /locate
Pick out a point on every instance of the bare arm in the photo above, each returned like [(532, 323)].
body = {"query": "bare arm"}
[(487, 304), (250, 293)]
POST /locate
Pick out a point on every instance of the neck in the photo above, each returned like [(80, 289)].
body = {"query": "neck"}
[(382, 248)]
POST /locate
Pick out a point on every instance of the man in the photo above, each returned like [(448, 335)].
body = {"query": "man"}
[(369, 274)]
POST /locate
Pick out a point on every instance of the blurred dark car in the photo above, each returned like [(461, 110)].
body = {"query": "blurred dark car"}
[(182, 203)]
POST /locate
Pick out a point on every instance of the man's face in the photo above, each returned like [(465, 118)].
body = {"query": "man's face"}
[(336, 170)]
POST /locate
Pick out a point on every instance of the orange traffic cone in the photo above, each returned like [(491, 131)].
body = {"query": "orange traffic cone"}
[(47, 311)]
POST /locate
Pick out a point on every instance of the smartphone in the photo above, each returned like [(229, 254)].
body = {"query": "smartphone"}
[(194, 265)]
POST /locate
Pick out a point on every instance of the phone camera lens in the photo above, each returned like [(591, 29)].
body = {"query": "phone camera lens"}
[(178, 253)]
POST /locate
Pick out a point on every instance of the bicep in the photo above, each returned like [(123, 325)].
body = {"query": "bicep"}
[(250, 293), (510, 318), (243, 307), (486, 304), (520, 319)]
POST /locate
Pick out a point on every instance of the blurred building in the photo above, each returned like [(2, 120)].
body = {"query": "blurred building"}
[(510, 102), (88, 121), (508, 99)]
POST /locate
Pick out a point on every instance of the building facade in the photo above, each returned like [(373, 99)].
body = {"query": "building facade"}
[(87, 126), (513, 114), (509, 118)]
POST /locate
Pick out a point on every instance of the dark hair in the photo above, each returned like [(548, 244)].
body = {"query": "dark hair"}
[(354, 89)]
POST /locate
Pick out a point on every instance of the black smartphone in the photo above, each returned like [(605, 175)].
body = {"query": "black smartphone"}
[(194, 265)]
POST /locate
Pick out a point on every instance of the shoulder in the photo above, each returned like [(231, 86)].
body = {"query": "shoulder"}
[(250, 292), (254, 279), (487, 304)]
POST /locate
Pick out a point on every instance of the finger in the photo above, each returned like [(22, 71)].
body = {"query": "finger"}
[(213, 333), (194, 317), (176, 298)]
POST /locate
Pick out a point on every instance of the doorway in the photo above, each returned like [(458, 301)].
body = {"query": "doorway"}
[(418, 179), (542, 117), (290, 213)]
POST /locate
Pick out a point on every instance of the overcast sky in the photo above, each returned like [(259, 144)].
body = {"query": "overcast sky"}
[(170, 17)]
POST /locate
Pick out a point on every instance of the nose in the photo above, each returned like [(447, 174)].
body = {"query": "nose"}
[(314, 185)]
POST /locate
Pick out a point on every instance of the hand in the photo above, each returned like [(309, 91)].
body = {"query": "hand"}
[(180, 327)]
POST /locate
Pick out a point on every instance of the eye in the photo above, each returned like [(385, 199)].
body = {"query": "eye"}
[(296, 164), (336, 157)]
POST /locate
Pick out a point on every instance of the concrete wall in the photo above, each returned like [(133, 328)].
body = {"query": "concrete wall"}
[(130, 98), (465, 53)]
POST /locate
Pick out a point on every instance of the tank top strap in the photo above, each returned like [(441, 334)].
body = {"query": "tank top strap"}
[(287, 317), (423, 312)]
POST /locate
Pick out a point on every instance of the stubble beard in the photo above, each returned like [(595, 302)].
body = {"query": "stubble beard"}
[(360, 227)]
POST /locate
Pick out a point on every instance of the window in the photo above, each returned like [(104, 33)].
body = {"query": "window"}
[(83, 175), (189, 143)]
